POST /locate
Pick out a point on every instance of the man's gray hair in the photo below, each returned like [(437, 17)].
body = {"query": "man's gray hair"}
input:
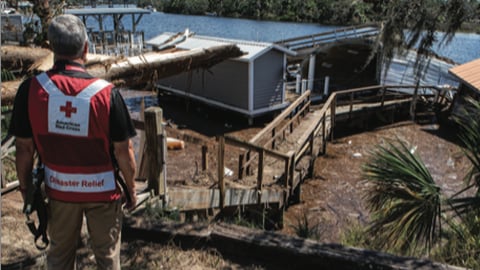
[(67, 35)]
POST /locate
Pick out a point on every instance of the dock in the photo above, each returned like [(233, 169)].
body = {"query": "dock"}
[(117, 40)]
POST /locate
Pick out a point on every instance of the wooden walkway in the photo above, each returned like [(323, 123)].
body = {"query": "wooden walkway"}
[(282, 155)]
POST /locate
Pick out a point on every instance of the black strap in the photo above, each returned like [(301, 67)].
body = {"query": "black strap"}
[(122, 183), (37, 232), (36, 202)]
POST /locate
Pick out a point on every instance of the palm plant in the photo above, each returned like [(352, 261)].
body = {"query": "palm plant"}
[(404, 199), (407, 206), (468, 121)]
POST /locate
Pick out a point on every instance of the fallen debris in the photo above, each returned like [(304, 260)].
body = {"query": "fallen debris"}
[(175, 144)]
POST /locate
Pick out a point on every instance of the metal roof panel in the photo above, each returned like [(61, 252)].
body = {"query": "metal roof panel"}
[(252, 49)]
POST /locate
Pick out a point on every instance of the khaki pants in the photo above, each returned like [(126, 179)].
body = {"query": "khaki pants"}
[(104, 224)]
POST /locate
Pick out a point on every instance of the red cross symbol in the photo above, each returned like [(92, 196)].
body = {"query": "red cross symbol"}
[(68, 109)]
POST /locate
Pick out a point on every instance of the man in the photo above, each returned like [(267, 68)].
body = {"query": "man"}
[(82, 130)]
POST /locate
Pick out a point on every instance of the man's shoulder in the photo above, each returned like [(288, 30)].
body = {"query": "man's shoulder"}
[(24, 86)]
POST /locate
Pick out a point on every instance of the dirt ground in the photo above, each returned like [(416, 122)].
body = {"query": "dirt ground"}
[(331, 200)]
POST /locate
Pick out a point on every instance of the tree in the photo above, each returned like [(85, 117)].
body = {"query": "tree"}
[(45, 10), (414, 24)]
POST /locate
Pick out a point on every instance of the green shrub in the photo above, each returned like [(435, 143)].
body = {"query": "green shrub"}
[(305, 229), (7, 75)]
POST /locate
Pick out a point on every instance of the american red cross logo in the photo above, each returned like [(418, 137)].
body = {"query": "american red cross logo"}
[(68, 109)]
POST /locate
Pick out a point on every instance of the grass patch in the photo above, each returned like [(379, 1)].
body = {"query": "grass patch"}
[(305, 229), (153, 212)]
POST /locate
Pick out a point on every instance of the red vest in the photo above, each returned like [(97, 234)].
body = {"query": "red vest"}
[(70, 124)]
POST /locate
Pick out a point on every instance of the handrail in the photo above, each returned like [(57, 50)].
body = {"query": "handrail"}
[(298, 43), (326, 39), (320, 126), (271, 129), (272, 125), (369, 25)]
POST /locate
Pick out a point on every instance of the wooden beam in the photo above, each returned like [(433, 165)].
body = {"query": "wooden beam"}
[(261, 161), (221, 170), (250, 146), (195, 199)]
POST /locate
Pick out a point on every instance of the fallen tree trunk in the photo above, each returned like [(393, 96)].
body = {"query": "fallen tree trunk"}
[(22, 58), (9, 90), (137, 70), (273, 250), (152, 66)]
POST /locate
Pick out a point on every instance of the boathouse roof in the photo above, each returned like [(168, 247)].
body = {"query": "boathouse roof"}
[(468, 73), (252, 49), (402, 69)]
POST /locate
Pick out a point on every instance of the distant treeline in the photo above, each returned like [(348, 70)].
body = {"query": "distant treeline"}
[(327, 12), (338, 12)]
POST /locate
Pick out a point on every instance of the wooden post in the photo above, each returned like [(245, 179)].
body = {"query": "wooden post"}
[(286, 172), (292, 173), (351, 106), (324, 135), (204, 158), (142, 165), (312, 139), (154, 148), (287, 177), (248, 169), (333, 106), (261, 157), (383, 96), (221, 170), (241, 159), (273, 136), (3, 180)]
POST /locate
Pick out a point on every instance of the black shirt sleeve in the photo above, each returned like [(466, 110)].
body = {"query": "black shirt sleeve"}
[(20, 123), (121, 125)]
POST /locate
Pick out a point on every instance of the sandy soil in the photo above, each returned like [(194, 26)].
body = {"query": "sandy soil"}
[(332, 200)]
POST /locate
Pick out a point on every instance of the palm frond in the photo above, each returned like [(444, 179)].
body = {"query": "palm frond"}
[(468, 121), (465, 205), (403, 198)]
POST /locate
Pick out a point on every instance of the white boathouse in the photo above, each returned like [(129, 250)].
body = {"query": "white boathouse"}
[(250, 85)]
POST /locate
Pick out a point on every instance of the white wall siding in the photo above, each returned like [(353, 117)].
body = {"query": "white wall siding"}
[(268, 80)]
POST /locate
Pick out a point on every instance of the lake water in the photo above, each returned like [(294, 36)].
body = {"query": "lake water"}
[(463, 48)]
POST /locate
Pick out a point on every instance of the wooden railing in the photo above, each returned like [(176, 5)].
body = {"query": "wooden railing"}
[(275, 129), (361, 31), (264, 143)]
